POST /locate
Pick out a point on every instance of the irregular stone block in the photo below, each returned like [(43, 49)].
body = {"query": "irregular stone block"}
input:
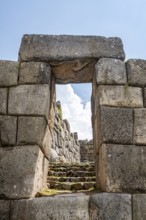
[(29, 100), (66, 207), (4, 209), (31, 130), (8, 73), (115, 125), (34, 72), (140, 126), (122, 168), (110, 71), (67, 47), (136, 72), (21, 171), (139, 207), (77, 71), (3, 101), (110, 206), (8, 129), (120, 96)]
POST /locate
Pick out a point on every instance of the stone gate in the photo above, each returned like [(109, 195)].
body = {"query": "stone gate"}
[(27, 102)]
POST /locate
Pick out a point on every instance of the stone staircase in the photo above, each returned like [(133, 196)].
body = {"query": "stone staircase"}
[(72, 177)]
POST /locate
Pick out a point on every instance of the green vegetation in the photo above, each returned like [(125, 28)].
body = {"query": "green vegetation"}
[(59, 111)]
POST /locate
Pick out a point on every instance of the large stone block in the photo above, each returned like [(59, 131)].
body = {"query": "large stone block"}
[(120, 96), (110, 206), (136, 72), (140, 126), (63, 47), (31, 130), (122, 168), (78, 71), (110, 71), (4, 209), (139, 207), (8, 73), (115, 125), (3, 101), (29, 100), (21, 171), (63, 207), (8, 130), (34, 72)]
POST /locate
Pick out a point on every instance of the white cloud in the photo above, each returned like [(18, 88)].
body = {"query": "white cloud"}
[(79, 116)]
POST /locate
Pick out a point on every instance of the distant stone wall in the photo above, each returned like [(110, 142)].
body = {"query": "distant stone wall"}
[(86, 151), (65, 146)]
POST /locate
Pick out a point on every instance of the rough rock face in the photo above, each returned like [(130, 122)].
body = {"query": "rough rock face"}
[(65, 146), (86, 151)]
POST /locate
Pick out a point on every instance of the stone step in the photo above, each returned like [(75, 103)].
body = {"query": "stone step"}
[(71, 179), (65, 169), (72, 186), (55, 165), (71, 173)]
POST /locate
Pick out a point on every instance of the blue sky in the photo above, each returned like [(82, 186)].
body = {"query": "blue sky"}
[(121, 18)]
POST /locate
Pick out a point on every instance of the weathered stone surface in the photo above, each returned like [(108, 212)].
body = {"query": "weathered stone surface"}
[(97, 171), (145, 97), (110, 206), (34, 72), (122, 168), (65, 145), (63, 207), (8, 73), (29, 100), (3, 101), (31, 130), (65, 47), (139, 207), (136, 71), (140, 126), (53, 156), (21, 171), (115, 125), (4, 209), (78, 71), (110, 71), (120, 96), (86, 151), (47, 142), (8, 129)]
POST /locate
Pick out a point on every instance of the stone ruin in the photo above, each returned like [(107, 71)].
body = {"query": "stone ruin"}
[(27, 102), (65, 146)]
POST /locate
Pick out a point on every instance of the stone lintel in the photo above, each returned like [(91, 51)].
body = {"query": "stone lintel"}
[(69, 47)]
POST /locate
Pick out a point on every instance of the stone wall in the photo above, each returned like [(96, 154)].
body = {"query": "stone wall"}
[(26, 94), (86, 151), (119, 116), (65, 146), (27, 103)]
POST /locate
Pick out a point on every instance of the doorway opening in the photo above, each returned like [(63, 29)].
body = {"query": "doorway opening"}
[(72, 156)]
